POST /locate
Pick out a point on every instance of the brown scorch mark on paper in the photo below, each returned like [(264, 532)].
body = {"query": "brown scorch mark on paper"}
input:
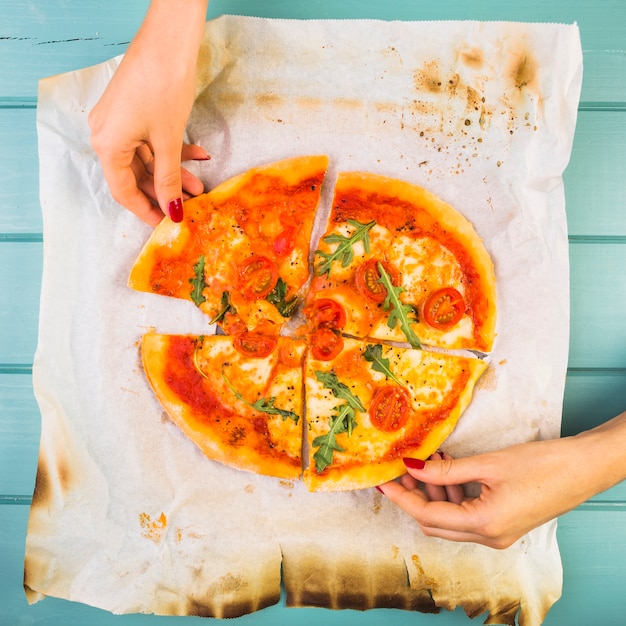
[(523, 70), (472, 57)]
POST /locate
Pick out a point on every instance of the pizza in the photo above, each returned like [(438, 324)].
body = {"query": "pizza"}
[(242, 252), (336, 359), (241, 411), (394, 250), (374, 404)]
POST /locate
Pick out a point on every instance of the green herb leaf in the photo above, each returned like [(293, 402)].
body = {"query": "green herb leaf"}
[(262, 405), (339, 389), (198, 283), (398, 311), (198, 346), (343, 252), (278, 296), (374, 354), (344, 420), (225, 307)]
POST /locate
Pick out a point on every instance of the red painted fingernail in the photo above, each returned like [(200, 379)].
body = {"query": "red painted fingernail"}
[(175, 209), (206, 158), (379, 489), (417, 464)]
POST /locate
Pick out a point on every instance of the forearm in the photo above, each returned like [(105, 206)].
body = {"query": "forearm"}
[(173, 27), (604, 461)]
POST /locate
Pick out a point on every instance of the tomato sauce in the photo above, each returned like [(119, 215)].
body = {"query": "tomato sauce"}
[(188, 384), (208, 410)]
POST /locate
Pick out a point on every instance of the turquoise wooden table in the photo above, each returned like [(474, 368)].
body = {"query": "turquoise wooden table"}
[(39, 38)]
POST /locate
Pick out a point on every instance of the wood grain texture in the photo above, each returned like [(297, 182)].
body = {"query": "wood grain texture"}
[(39, 38)]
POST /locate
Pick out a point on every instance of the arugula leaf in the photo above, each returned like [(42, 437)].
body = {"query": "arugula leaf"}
[(277, 297), (343, 421), (262, 405), (398, 311), (343, 252), (197, 282), (374, 354), (197, 347), (225, 307), (339, 389)]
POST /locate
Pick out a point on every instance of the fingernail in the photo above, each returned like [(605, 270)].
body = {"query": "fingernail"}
[(175, 209), (379, 489), (206, 158), (417, 464)]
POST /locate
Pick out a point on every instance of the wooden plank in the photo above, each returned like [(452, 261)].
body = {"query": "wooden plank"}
[(596, 202), (596, 206), (597, 269), (19, 195), (592, 397), (598, 298), (593, 547), (20, 285), (19, 434), (51, 38)]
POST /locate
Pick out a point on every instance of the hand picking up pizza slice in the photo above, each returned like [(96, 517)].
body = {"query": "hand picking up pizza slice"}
[(404, 266), (372, 404), (242, 250), (243, 411)]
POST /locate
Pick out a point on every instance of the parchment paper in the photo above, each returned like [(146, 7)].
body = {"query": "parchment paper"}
[(127, 514)]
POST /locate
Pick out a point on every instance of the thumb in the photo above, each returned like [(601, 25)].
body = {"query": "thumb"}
[(446, 471), (167, 180)]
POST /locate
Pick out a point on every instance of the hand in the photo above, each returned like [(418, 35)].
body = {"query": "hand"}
[(139, 122), (521, 487)]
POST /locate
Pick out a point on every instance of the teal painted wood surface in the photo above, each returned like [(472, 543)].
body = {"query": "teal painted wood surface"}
[(44, 37)]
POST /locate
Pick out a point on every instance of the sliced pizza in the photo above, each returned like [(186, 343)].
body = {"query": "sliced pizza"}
[(242, 408), (241, 253), (373, 404), (404, 266)]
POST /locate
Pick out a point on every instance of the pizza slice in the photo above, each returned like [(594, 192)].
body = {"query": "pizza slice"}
[(241, 253), (240, 403), (404, 266), (373, 404)]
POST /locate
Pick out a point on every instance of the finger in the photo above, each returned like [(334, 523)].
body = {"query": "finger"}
[(454, 493), (144, 178), (167, 178), (447, 471), (192, 152), (146, 156), (438, 514), (191, 184), (436, 492), (123, 186), (408, 482)]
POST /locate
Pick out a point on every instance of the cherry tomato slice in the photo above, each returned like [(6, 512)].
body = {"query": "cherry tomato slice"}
[(254, 345), (285, 242), (328, 312), (367, 279), (443, 309), (257, 276), (326, 344), (389, 409)]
